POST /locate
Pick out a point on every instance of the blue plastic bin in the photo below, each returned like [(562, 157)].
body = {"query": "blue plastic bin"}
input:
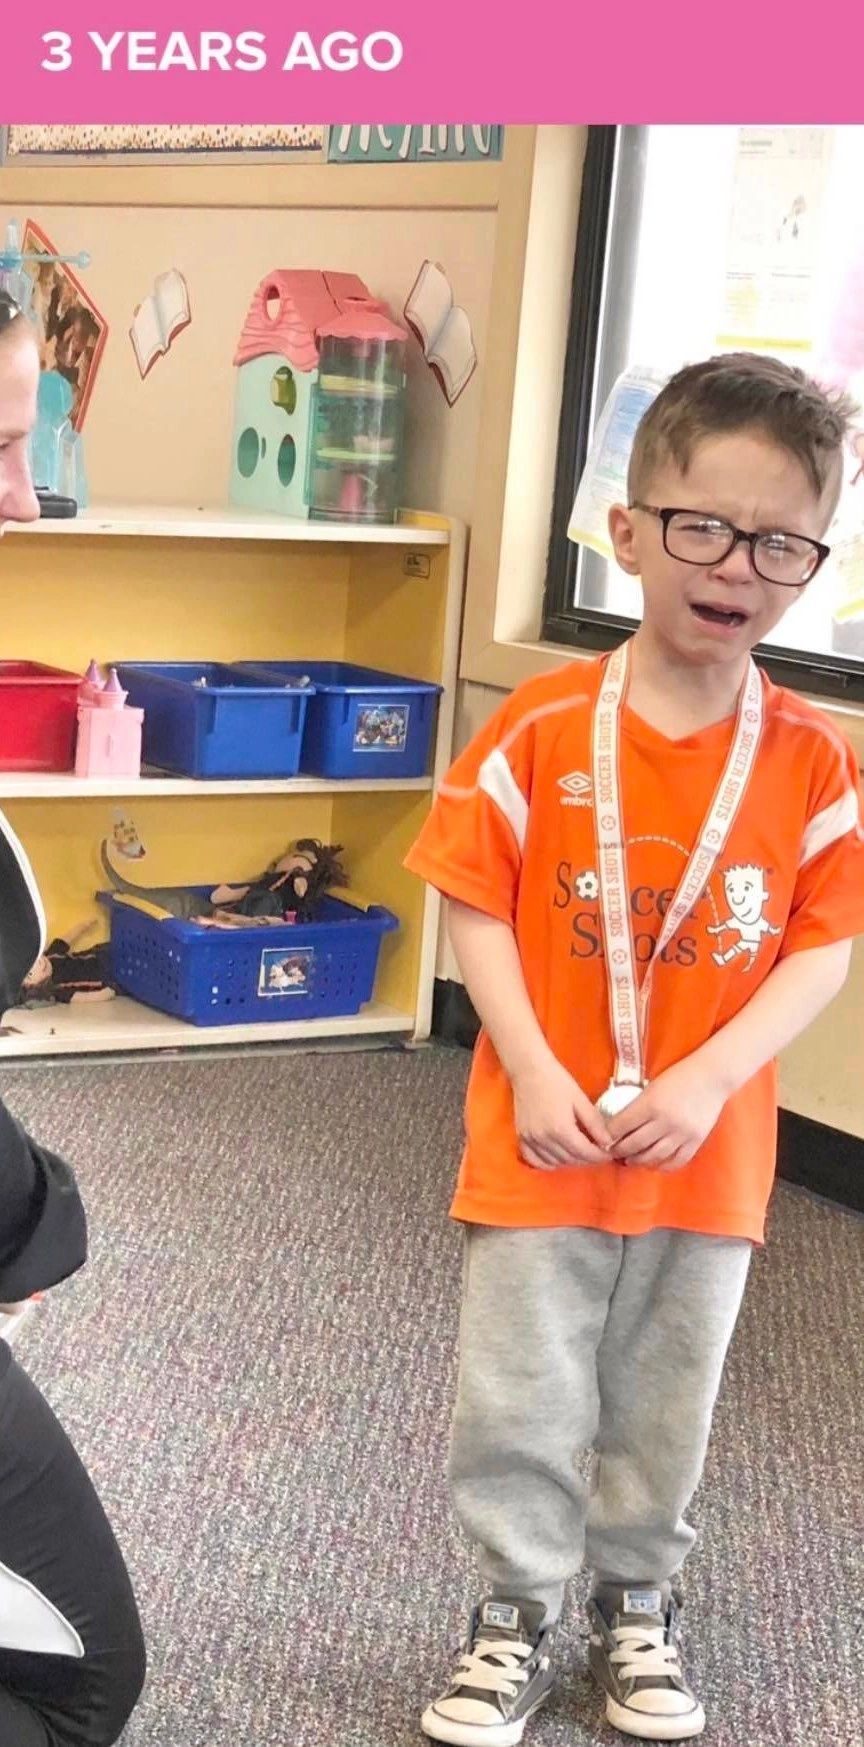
[(207, 719), (249, 976), (360, 722)]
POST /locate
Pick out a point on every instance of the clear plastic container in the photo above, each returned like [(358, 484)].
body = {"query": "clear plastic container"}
[(355, 455)]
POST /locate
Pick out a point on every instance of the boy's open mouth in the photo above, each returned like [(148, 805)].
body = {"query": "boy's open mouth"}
[(717, 616)]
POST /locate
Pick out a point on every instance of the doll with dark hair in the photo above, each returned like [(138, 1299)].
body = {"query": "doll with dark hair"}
[(63, 974), (292, 888)]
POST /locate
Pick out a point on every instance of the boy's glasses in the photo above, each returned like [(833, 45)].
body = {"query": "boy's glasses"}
[(697, 537), (9, 310)]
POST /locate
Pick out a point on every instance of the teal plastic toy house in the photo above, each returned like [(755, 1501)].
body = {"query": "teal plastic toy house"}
[(277, 363)]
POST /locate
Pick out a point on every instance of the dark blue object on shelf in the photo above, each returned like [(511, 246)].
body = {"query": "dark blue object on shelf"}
[(249, 976), (209, 719), (360, 722)]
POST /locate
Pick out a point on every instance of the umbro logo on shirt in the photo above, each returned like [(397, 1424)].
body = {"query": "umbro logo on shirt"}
[(577, 789)]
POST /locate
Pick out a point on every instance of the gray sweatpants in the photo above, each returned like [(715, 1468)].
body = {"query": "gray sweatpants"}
[(575, 1341)]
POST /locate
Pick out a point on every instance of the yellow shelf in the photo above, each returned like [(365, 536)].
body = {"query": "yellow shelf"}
[(383, 597), (125, 1026), (174, 522)]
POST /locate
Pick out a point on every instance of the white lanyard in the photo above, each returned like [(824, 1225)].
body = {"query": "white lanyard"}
[(628, 1004)]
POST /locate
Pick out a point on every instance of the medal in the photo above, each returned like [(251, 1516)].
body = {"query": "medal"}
[(617, 1096), (628, 1003)]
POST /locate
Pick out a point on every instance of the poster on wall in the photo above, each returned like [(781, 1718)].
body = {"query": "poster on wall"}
[(848, 564), (341, 145), (775, 233), (415, 145), (604, 476), (72, 333), (23, 144)]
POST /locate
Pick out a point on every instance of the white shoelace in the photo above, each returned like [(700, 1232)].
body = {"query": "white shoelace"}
[(494, 1666), (643, 1650)]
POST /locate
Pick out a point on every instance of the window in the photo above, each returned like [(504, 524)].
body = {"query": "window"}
[(694, 240)]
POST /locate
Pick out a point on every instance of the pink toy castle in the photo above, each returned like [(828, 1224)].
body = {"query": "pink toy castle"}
[(109, 730)]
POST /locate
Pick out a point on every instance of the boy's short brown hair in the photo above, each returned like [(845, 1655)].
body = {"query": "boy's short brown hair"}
[(740, 391)]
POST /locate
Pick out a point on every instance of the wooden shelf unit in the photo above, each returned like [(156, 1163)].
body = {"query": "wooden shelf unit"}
[(128, 582)]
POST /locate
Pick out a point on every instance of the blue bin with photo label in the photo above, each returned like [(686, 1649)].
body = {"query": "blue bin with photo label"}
[(249, 976), (360, 722)]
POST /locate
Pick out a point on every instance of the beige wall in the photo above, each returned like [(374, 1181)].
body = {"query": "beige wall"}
[(820, 1076), (167, 439)]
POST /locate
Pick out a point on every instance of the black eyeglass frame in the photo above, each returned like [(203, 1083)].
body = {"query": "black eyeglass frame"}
[(738, 534)]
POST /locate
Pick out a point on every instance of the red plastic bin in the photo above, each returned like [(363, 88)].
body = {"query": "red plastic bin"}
[(38, 716)]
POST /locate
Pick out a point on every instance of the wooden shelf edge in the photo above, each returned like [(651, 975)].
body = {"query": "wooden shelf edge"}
[(222, 522), (126, 1026), (61, 787)]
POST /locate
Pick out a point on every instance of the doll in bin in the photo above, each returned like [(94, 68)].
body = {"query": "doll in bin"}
[(290, 891)]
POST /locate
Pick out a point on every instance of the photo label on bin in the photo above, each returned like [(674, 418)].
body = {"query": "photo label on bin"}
[(284, 972), (381, 727)]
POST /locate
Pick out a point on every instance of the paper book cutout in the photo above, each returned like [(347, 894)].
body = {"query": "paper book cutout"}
[(160, 318), (443, 329)]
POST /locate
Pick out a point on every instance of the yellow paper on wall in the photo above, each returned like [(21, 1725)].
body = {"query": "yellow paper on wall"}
[(604, 478), (848, 556)]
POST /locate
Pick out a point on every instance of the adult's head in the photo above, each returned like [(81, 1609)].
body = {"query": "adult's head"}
[(19, 383)]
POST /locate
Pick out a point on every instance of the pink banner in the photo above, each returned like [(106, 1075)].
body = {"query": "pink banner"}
[(453, 61)]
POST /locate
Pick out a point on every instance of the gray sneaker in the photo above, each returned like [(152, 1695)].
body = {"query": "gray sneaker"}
[(504, 1676), (634, 1656)]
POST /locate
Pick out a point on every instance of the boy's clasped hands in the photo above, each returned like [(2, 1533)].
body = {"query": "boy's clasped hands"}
[(558, 1126)]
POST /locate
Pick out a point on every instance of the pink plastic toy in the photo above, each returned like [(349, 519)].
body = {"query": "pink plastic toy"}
[(91, 684), (109, 730), (111, 696)]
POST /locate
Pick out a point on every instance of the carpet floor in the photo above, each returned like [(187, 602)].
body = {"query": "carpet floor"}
[(258, 1366)]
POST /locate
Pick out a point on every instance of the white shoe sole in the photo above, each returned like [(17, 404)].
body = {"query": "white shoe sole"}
[(10, 1321), (477, 1734), (653, 1728)]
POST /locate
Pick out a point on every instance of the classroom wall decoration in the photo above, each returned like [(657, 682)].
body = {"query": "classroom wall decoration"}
[(124, 835), (72, 332), (443, 330), (425, 144), (31, 142), (159, 318), (415, 145)]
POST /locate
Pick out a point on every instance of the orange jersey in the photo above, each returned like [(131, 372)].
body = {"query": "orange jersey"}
[(512, 834)]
